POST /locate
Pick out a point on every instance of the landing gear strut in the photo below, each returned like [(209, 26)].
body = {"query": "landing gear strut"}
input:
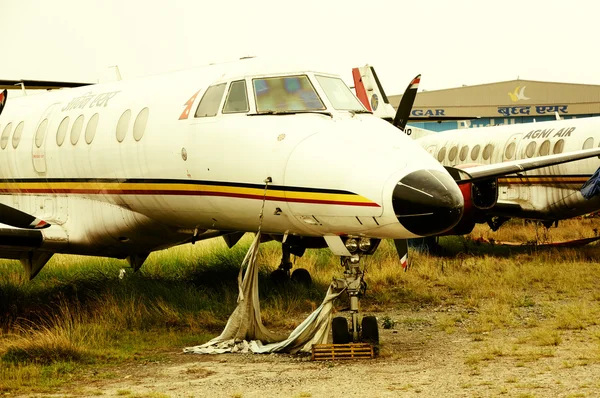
[(283, 272), (353, 281)]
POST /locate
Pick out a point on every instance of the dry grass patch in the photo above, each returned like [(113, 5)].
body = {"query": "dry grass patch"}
[(575, 316)]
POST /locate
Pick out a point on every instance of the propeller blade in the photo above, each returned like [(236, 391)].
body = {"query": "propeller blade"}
[(406, 103), (17, 218), (402, 249)]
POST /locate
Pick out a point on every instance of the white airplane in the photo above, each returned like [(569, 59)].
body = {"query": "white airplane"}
[(547, 194), (126, 168)]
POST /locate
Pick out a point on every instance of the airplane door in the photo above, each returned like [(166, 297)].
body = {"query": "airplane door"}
[(510, 147), (38, 152)]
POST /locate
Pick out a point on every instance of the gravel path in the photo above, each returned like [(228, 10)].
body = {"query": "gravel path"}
[(418, 359)]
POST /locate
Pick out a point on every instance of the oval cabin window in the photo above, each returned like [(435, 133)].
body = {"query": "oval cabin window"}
[(558, 146), (17, 134), (464, 151), (510, 151), (452, 154), (530, 149), (545, 148), (90, 130), (487, 151), (441, 154), (123, 125), (5, 135), (61, 133), (76, 129), (41, 133), (475, 152), (139, 126)]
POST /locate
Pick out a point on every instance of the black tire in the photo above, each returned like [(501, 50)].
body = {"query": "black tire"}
[(339, 330), (370, 331), (302, 277), (279, 276)]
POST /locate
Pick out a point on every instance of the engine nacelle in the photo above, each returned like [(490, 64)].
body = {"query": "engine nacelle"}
[(478, 197)]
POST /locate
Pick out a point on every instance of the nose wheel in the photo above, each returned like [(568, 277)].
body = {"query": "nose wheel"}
[(367, 330)]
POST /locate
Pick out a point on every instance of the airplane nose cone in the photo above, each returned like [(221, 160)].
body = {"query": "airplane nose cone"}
[(427, 202)]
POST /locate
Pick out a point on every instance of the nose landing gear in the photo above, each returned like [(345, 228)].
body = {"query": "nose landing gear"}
[(353, 281)]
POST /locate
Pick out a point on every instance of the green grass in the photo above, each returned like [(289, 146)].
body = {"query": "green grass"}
[(77, 314)]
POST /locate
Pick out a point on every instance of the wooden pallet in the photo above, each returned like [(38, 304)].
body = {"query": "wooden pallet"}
[(333, 352)]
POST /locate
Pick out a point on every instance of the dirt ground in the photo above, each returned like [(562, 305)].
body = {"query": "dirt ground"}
[(417, 359)]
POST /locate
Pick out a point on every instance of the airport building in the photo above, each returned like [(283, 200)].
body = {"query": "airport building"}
[(510, 102)]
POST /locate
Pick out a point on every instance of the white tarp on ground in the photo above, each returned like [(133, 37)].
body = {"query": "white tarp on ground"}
[(245, 331)]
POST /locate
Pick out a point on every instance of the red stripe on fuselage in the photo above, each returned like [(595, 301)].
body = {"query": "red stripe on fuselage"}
[(185, 193)]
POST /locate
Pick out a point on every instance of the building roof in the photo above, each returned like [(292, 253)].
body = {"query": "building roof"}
[(487, 99)]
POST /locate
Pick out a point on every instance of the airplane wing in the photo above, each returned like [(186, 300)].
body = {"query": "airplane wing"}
[(477, 173), (39, 84), (17, 218)]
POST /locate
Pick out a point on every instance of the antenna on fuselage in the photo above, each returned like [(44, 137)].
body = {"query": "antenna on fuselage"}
[(117, 72), (22, 87)]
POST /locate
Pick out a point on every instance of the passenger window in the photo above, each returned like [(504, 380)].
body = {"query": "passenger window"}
[(17, 135), (41, 133), (209, 104), (510, 151), (61, 133), (487, 152), (558, 146), (90, 130), (5, 135), (545, 148), (464, 151), (475, 152), (441, 154), (530, 149), (123, 125), (76, 129), (237, 99), (139, 126), (452, 154), (589, 143)]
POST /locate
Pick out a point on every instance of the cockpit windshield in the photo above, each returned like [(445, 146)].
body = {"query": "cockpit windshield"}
[(286, 94), (339, 94)]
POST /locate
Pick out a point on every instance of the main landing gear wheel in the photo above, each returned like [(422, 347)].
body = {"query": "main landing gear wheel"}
[(370, 332), (280, 276), (339, 330), (302, 277)]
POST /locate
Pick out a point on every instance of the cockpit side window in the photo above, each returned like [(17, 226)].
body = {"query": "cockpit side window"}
[(339, 94), (286, 93), (209, 104), (237, 99)]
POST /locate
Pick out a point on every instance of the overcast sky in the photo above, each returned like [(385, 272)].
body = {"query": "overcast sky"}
[(450, 42)]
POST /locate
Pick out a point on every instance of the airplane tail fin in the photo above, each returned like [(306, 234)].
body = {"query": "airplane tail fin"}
[(370, 92), (3, 96)]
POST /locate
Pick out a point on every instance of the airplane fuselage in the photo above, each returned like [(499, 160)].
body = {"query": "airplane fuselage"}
[(135, 166), (549, 193)]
